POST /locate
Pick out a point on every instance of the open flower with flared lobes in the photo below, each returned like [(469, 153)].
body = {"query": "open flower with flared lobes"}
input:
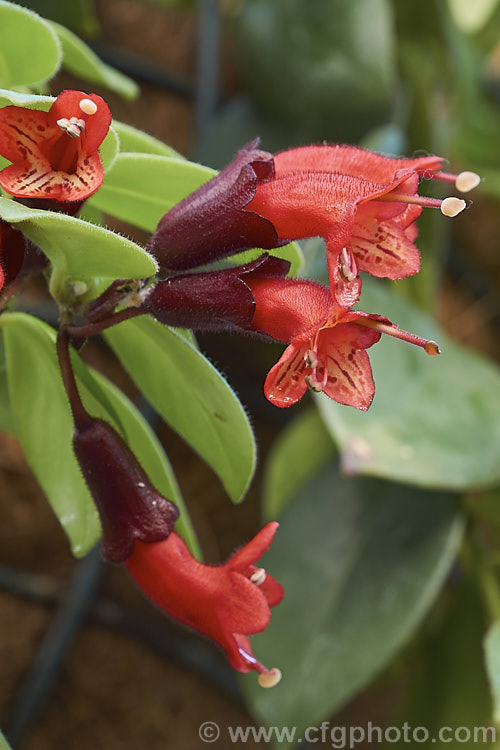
[(227, 602), (54, 154), (366, 225), (327, 343)]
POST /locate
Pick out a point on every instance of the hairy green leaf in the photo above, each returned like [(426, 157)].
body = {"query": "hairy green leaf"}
[(191, 396)]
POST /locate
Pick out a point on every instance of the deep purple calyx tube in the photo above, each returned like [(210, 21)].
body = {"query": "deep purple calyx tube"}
[(212, 223), (129, 506)]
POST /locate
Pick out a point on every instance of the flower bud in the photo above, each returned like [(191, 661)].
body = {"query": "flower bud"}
[(212, 222), (129, 506)]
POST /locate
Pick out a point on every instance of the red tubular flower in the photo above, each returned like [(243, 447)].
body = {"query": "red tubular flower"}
[(54, 153), (327, 342), (227, 602), (364, 205)]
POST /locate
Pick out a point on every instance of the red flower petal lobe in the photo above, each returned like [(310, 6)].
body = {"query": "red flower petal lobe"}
[(67, 105), (22, 131), (285, 383)]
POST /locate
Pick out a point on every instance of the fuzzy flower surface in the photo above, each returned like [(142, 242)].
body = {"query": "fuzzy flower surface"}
[(326, 349), (54, 154), (327, 342), (227, 602)]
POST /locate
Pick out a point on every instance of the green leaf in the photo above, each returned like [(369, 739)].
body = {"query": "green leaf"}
[(434, 421), (291, 252), (77, 250), (297, 455), (45, 427), (30, 52), (109, 149), (6, 416), (361, 562), (4, 745), (492, 654), (327, 65), (80, 60), (143, 187), (79, 15), (191, 396), (132, 139), (21, 99), (448, 684)]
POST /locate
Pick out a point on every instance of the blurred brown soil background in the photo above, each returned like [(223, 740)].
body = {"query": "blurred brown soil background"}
[(115, 690)]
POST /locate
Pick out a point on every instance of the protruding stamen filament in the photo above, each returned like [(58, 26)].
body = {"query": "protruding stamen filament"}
[(258, 576), (452, 206), (464, 181), (88, 107), (430, 347), (449, 206), (419, 200), (269, 679)]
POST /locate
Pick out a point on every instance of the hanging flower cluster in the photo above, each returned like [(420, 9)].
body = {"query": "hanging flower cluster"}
[(364, 205)]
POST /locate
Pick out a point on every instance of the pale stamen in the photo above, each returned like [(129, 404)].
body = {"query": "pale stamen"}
[(430, 347), (269, 679), (72, 127), (258, 576), (464, 181), (88, 107), (449, 206), (452, 206)]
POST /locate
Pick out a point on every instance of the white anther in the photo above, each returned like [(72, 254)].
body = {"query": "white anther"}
[(311, 359), (269, 679), (88, 106), (347, 265), (73, 131), (70, 127), (141, 484), (258, 576), (467, 181), (452, 206)]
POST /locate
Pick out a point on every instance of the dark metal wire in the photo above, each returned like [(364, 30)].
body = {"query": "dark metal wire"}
[(164, 637), (208, 73), (57, 642)]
